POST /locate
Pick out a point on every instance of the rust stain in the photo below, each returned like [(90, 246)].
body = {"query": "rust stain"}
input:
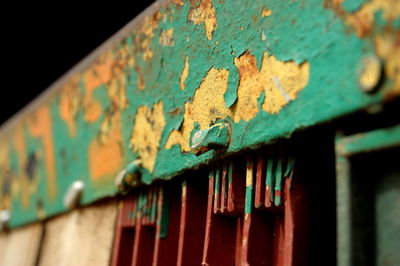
[(167, 37), (40, 126), (265, 12), (141, 83), (281, 82), (207, 106), (185, 73), (146, 134), (6, 187), (204, 13), (70, 101)]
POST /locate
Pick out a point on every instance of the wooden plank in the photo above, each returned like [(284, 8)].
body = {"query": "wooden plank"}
[(82, 237), (20, 247)]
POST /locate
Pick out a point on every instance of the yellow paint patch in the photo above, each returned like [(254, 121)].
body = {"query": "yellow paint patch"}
[(178, 2), (144, 39), (167, 38), (207, 106), (146, 134), (266, 12), (363, 19), (185, 73), (281, 82), (40, 126), (204, 13), (105, 152)]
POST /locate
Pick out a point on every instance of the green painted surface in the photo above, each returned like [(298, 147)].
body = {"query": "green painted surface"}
[(352, 5), (371, 141), (91, 125)]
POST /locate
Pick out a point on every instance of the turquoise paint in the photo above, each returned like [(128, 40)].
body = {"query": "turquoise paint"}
[(299, 31), (352, 5), (371, 141), (278, 182)]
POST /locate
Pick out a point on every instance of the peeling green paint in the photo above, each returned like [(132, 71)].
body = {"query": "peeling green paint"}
[(352, 5), (103, 107)]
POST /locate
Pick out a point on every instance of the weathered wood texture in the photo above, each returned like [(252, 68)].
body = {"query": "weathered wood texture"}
[(20, 247), (82, 237)]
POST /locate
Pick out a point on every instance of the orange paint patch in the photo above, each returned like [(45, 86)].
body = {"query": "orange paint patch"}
[(99, 73), (40, 126), (105, 152), (20, 148)]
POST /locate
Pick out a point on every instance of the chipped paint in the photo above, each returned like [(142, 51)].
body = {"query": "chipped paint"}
[(183, 66), (363, 19), (204, 12), (207, 107), (167, 37), (265, 12), (40, 126), (185, 73), (281, 82), (146, 134)]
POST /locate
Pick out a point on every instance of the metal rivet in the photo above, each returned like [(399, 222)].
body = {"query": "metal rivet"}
[(129, 177), (74, 194), (214, 137), (370, 73), (4, 219)]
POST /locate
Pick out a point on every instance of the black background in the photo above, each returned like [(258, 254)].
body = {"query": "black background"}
[(43, 41)]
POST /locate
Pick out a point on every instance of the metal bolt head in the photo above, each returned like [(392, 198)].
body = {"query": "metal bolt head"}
[(214, 137), (128, 177), (4, 219), (370, 73), (74, 194)]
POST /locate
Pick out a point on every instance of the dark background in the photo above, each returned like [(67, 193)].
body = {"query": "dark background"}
[(43, 41)]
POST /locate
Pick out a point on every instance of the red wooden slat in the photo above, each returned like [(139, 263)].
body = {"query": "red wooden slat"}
[(220, 235), (166, 248), (193, 218)]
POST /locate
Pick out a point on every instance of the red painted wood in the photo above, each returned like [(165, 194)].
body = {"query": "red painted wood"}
[(193, 218), (260, 183), (125, 233), (143, 244), (237, 187), (220, 235), (258, 239), (166, 248)]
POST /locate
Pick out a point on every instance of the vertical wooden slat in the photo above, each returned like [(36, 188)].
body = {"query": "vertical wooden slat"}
[(220, 235), (82, 237), (20, 247), (193, 218), (166, 246)]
